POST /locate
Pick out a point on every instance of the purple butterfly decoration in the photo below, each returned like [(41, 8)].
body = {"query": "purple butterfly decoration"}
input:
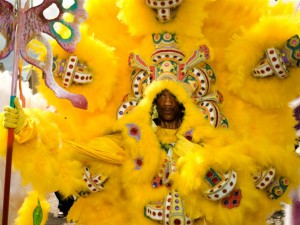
[(21, 27)]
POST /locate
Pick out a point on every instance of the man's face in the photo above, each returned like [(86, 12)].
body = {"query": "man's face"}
[(167, 106)]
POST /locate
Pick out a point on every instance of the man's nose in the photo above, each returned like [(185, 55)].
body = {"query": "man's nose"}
[(168, 101)]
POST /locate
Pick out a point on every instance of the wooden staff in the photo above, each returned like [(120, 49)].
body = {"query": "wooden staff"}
[(10, 137)]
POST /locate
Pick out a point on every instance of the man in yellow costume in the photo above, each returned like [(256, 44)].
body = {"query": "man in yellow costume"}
[(143, 169), (162, 161)]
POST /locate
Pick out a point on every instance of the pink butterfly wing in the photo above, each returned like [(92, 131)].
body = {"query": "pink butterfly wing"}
[(39, 23)]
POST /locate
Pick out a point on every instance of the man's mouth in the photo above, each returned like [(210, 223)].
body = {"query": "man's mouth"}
[(168, 109)]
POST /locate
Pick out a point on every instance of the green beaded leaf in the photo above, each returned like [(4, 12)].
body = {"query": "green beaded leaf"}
[(37, 214)]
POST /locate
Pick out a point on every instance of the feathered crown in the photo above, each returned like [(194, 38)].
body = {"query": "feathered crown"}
[(194, 74)]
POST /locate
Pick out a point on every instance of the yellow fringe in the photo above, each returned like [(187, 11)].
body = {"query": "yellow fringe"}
[(101, 148)]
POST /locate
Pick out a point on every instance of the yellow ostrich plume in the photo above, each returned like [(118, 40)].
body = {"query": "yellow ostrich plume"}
[(101, 67), (103, 22), (102, 92), (245, 52)]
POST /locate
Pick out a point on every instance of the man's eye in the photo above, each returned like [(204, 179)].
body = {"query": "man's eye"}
[(161, 96)]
